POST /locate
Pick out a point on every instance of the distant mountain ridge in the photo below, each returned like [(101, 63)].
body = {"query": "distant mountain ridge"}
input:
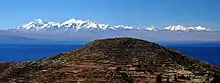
[(87, 25), (75, 29)]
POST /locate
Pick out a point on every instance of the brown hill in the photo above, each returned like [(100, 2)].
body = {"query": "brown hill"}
[(110, 61)]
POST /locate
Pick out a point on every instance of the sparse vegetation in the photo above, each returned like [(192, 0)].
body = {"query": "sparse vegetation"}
[(126, 78), (72, 54)]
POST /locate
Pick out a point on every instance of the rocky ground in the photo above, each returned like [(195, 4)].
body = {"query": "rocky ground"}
[(116, 60)]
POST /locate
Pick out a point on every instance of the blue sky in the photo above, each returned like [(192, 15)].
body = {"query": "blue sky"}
[(137, 13)]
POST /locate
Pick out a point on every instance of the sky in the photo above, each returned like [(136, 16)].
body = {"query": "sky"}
[(137, 13)]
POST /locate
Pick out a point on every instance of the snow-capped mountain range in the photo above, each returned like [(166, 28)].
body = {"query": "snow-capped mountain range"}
[(182, 28), (77, 25)]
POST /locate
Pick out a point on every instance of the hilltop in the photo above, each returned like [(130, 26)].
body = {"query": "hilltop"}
[(109, 61)]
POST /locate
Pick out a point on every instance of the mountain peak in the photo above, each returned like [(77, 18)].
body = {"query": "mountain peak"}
[(151, 28), (39, 21), (73, 20), (183, 28)]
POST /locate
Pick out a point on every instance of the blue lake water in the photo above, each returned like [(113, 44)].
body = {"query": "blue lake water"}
[(209, 52), (32, 52)]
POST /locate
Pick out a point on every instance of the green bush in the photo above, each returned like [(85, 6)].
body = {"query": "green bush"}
[(72, 54)]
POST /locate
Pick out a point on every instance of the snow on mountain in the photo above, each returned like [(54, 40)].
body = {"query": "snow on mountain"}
[(73, 24), (77, 25), (38, 23), (151, 28), (183, 28), (123, 27)]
